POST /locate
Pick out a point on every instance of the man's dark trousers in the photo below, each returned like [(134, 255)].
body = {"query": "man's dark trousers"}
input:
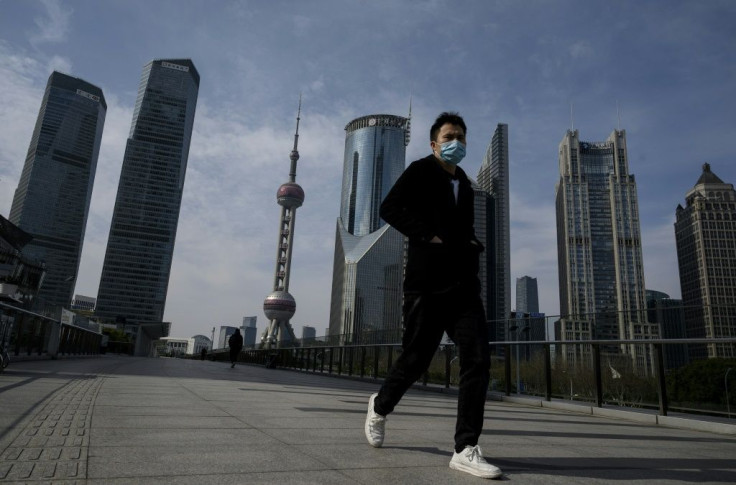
[(460, 313)]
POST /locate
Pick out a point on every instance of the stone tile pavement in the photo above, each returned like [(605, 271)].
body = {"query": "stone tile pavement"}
[(121, 420)]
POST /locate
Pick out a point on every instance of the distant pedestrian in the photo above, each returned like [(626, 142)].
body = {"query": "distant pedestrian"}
[(432, 204), (236, 345), (203, 353)]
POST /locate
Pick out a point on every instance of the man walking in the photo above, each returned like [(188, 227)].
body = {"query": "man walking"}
[(432, 204), (236, 345)]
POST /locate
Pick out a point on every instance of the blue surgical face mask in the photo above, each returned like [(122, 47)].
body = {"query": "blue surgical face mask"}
[(452, 152)]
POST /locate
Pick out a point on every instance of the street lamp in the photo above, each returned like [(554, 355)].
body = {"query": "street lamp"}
[(725, 380)]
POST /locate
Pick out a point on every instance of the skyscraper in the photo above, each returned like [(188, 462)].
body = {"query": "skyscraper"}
[(308, 334), (705, 234), (249, 331), (135, 273), (493, 178), (669, 315), (527, 296), (52, 200), (483, 217), (599, 249), (369, 254)]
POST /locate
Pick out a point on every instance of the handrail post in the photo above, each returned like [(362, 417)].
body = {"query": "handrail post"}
[(598, 375), (548, 372), (662, 382), (507, 367), (447, 366), (376, 359), (362, 362), (350, 361)]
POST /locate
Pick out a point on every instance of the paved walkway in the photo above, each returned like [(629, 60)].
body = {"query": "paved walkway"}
[(126, 420)]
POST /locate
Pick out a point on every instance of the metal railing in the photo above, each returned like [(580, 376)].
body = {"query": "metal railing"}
[(26, 333), (601, 379)]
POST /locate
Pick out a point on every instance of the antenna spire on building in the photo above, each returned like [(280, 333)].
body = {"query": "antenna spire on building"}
[(572, 119), (294, 156)]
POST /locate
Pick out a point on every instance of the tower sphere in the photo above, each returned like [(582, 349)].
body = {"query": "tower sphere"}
[(290, 195), (279, 305)]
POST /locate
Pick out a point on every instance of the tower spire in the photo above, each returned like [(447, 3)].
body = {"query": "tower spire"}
[(279, 305), (294, 156), (572, 119)]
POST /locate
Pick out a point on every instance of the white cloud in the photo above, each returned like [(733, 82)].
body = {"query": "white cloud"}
[(581, 49), (53, 26), (61, 64), (22, 81)]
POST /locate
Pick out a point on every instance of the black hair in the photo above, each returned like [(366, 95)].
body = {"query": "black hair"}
[(443, 119)]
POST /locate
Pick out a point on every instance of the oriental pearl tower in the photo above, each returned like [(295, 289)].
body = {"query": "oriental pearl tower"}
[(279, 306)]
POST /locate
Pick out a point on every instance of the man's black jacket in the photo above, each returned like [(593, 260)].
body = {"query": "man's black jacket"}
[(236, 341), (421, 205)]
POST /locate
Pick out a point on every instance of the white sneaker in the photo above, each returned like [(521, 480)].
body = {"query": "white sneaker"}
[(374, 425), (471, 460)]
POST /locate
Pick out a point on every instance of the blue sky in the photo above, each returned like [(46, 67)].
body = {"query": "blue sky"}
[(670, 66)]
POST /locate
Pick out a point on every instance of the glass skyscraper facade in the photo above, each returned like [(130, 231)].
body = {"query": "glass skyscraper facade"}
[(705, 234), (527, 295), (53, 196), (493, 178), (601, 272), (669, 314), (375, 154), (369, 254), (533, 323), (135, 273), (483, 217)]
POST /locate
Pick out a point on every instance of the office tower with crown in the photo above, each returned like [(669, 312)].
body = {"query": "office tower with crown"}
[(705, 231), (601, 272), (53, 196), (279, 306), (140, 246), (369, 254), (493, 178)]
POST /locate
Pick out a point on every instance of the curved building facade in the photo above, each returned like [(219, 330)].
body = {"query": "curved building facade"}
[(375, 155), (369, 255)]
